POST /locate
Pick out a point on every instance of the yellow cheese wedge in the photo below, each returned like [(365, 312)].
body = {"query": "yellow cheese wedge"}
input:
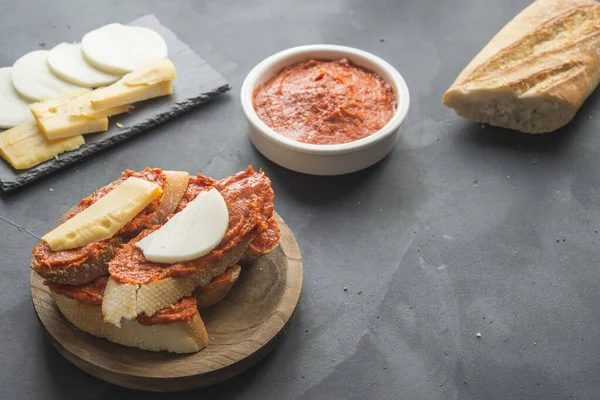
[(119, 94), (25, 146), (151, 80), (83, 106), (63, 125), (55, 122), (105, 217), (151, 73), (58, 101)]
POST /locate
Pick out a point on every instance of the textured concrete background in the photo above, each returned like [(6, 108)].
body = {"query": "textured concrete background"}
[(463, 229)]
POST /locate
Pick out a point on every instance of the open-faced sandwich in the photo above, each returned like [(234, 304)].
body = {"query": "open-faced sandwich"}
[(136, 260)]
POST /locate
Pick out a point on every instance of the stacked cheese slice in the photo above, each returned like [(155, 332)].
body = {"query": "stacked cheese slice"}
[(60, 122), (59, 83)]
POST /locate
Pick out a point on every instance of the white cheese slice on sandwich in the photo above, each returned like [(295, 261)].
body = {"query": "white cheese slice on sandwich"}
[(191, 233), (106, 216)]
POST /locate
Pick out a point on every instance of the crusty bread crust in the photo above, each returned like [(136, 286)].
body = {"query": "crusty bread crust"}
[(127, 301), (536, 72), (177, 337), (209, 295), (93, 268)]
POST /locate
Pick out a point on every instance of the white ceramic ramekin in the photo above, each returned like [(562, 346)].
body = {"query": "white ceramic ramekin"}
[(319, 159)]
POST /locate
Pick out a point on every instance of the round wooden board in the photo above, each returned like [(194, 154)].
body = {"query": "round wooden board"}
[(242, 329)]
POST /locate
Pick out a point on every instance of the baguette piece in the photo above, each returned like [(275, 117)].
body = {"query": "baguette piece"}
[(91, 269), (176, 337), (126, 300), (209, 295), (81, 305), (96, 259), (140, 286), (536, 72)]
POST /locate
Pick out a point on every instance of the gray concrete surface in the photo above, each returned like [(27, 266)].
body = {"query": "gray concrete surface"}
[(462, 229)]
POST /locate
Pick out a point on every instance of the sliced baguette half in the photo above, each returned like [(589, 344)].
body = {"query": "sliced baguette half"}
[(126, 301), (536, 72), (96, 263), (176, 337)]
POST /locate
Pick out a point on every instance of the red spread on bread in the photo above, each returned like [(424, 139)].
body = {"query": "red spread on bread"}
[(184, 310), (93, 293), (217, 281), (45, 258), (88, 293), (249, 199), (266, 240)]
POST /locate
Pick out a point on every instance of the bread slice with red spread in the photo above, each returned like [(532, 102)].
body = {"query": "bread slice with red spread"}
[(177, 329), (138, 286), (84, 264), (263, 244), (209, 295)]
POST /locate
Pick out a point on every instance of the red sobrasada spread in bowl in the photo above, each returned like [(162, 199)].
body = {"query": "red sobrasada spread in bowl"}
[(325, 102)]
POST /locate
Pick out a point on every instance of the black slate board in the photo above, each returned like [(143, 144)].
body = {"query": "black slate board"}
[(196, 83)]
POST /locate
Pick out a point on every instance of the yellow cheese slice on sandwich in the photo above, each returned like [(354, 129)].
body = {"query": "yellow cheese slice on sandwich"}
[(25, 146), (105, 217)]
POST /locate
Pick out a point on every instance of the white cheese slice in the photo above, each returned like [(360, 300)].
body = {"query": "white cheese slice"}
[(13, 109), (119, 49), (67, 62), (33, 79), (191, 233), (105, 217)]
